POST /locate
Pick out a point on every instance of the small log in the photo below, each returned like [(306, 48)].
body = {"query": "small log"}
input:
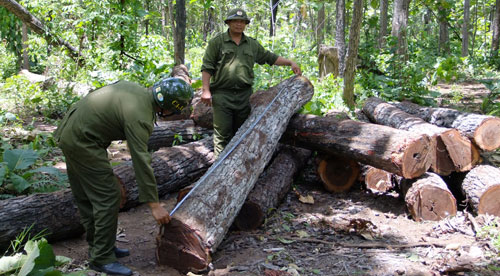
[(165, 132), (337, 173), (481, 187), (396, 151), (271, 187), (200, 223), (450, 150), (483, 130), (377, 180), (428, 197)]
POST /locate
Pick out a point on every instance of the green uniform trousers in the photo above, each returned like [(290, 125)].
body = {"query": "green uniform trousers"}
[(97, 196), (230, 110)]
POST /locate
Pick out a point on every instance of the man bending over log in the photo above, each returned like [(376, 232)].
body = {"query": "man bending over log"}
[(120, 111), (227, 76)]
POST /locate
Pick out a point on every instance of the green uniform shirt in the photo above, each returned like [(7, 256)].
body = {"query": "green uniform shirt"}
[(231, 65), (121, 111)]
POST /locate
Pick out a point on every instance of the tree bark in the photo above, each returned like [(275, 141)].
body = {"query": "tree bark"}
[(328, 61), (37, 26), (56, 212), (496, 30), (201, 221), (450, 150), (271, 187), (274, 14), (397, 151), (483, 130), (444, 37), (166, 133), (320, 30), (465, 29), (384, 7), (340, 34), (428, 198), (350, 63), (338, 174), (399, 25), (180, 32), (481, 187)]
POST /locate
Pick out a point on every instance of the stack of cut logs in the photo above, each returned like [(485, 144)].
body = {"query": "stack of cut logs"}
[(398, 145)]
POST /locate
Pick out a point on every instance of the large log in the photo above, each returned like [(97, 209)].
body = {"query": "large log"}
[(450, 150), (271, 187), (428, 197), (337, 173), (174, 168), (165, 133), (204, 216), (483, 130), (481, 187), (396, 151)]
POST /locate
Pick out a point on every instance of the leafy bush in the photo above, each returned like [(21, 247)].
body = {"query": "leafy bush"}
[(489, 105), (8, 61)]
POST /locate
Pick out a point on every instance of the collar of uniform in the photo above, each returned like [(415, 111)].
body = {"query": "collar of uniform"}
[(227, 37)]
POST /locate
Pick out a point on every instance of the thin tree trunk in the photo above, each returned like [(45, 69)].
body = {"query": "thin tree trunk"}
[(320, 34), (350, 64), (465, 29), (400, 25), (274, 14), (444, 37), (26, 60), (180, 32), (340, 35), (384, 7), (496, 30)]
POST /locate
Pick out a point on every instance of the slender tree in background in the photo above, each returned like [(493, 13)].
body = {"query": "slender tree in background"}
[(444, 36), (26, 59), (384, 7), (320, 34), (340, 34), (180, 32), (496, 30), (400, 25), (465, 29), (209, 22), (274, 13), (350, 64)]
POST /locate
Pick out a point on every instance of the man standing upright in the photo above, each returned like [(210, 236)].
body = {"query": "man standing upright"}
[(227, 76)]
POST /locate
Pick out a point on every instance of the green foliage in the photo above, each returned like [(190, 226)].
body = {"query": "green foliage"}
[(490, 104), (8, 66), (327, 96), (447, 69), (491, 232)]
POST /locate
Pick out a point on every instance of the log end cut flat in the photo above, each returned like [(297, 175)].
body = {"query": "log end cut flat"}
[(180, 247), (250, 217), (487, 135), (417, 157), (489, 202), (378, 181), (338, 174)]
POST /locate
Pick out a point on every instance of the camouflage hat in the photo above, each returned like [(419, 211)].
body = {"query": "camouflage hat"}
[(235, 14)]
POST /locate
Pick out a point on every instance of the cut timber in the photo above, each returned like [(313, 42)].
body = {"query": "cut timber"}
[(377, 180), (271, 187), (483, 130), (450, 150), (165, 133), (200, 223), (174, 168), (481, 186), (337, 173), (428, 197), (396, 151)]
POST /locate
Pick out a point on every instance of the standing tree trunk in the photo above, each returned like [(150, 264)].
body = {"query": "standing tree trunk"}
[(496, 30), (26, 59), (384, 7), (320, 33), (201, 221), (340, 35), (400, 25), (444, 37), (274, 14), (465, 29), (180, 32), (208, 24), (350, 64)]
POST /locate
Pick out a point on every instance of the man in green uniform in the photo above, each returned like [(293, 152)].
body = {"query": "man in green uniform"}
[(120, 111), (227, 76)]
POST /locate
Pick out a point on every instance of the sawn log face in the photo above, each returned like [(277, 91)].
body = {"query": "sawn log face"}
[(212, 206), (396, 151), (481, 187)]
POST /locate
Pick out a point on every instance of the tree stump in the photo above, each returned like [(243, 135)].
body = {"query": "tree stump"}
[(481, 187), (201, 221), (428, 198), (328, 61), (483, 130)]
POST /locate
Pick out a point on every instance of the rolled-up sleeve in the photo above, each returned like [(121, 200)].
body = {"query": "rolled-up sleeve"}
[(210, 57)]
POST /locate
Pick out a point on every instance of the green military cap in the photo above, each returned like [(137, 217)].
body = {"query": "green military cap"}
[(235, 14)]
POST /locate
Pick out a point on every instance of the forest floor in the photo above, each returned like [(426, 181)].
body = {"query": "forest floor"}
[(306, 239)]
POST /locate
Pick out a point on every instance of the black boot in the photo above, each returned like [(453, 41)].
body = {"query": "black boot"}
[(112, 269), (121, 252)]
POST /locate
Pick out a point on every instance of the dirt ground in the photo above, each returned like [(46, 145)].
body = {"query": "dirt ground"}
[(352, 233)]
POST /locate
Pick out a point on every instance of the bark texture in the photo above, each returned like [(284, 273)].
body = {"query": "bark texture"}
[(428, 198), (483, 130), (328, 61), (396, 151), (481, 187), (271, 187), (450, 150), (165, 133), (352, 54), (212, 207)]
